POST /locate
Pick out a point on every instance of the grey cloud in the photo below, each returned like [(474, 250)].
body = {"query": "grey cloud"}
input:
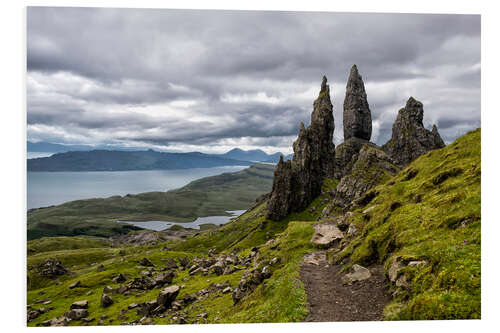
[(116, 59)]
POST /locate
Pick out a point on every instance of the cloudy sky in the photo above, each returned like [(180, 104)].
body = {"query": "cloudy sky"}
[(213, 80)]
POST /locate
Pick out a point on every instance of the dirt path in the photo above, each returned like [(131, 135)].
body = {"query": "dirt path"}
[(330, 300)]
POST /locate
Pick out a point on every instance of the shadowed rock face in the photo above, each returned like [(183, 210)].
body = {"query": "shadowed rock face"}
[(298, 182), (357, 115), (409, 137)]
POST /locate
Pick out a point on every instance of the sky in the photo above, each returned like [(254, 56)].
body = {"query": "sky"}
[(209, 81)]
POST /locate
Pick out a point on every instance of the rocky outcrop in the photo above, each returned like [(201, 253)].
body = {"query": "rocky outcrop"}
[(326, 235), (344, 154), (357, 116), (370, 167), (298, 182), (409, 137)]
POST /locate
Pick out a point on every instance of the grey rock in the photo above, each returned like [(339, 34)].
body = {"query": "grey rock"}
[(146, 262), (359, 273), (106, 300), (168, 295), (371, 166), (75, 284), (76, 314), (164, 278), (120, 278), (296, 183), (409, 137), (326, 235), (80, 305), (357, 116)]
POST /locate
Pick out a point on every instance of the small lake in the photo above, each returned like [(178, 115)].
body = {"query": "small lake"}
[(162, 225), (54, 188)]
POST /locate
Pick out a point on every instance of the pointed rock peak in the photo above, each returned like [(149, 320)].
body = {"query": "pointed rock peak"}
[(323, 83), (357, 115), (354, 71), (302, 127), (281, 159), (409, 137), (412, 103)]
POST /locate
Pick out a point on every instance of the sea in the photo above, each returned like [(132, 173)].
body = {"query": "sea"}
[(53, 188)]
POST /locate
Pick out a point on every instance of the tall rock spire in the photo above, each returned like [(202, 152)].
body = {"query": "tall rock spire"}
[(296, 183), (357, 115), (409, 137)]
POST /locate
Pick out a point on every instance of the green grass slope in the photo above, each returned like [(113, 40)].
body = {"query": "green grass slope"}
[(430, 211), (204, 197)]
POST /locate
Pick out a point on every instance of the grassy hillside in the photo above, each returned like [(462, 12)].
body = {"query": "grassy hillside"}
[(431, 211), (428, 213), (204, 197)]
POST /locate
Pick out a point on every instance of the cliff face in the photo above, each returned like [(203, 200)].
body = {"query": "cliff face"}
[(298, 182), (409, 137)]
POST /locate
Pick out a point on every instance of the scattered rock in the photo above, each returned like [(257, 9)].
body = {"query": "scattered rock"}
[(101, 268), (359, 273), (80, 305), (76, 314), (120, 278), (315, 258), (326, 235), (51, 268), (227, 290), (164, 278), (106, 300), (168, 295), (418, 263), (146, 262), (75, 284)]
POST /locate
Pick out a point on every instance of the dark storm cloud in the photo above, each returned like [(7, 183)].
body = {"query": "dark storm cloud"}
[(212, 79)]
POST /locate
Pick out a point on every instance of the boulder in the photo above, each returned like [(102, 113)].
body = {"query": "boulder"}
[(51, 268), (120, 278), (76, 314), (359, 273), (75, 284), (409, 137), (146, 262), (79, 305), (142, 283), (168, 295), (164, 278), (357, 116), (326, 235), (106, 300), (296, 183)]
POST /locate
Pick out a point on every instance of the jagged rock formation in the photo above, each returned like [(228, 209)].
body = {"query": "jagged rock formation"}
[(357, 116), (369, 168), (409, 137), (298, 182)]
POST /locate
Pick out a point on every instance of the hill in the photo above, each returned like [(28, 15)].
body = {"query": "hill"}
[(204, 197), (111, 160)]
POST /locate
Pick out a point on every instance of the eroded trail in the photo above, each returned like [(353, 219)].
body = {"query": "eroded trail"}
[(331, 300)]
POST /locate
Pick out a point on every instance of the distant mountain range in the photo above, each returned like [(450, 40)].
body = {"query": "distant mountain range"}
[(83, 158)]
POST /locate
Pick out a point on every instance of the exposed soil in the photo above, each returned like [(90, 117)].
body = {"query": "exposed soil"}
[(330, 300)]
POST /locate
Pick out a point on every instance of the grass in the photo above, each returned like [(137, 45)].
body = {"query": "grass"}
[(429, 211), (204, 197)]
